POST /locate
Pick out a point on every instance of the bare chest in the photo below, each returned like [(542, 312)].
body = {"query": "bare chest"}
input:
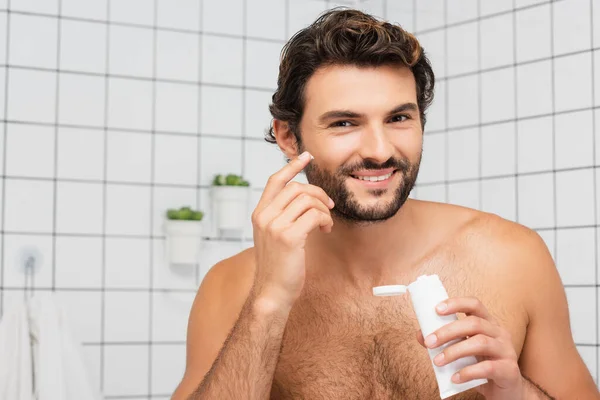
[(362, 349)]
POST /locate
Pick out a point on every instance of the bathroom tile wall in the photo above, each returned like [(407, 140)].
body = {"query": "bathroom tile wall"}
[(112, 111), (514, 129)]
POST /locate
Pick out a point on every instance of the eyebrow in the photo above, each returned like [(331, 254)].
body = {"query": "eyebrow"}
[(351, 114)]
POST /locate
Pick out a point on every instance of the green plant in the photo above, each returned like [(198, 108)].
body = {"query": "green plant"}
[(184, 214), (229, 180)]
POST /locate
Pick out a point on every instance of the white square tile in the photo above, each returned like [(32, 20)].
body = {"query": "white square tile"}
[(462, 48), (30, 150), (170, 315), (126, 316), (264, 18), (372, 7), (535, 145), (222, 60), (37, 6), (91, 358), (574, 139), (227, 17), (83, 311), (139, 12), (179, 14), (177, 55), (429, 14), (2, 90), (79, 208), (262, 64), (14, 248), (465, 194), (463, 154), (80, 153), (582, 310), (576, 255), (434, 45), (89, 9), (572, 77), (596, 72), (221, 111), (78, 262), (168, 366), (494, 7), (129, 361), (302, 13), (169, 276), (549, 238), (29, 206), (498, 196), (597, 136), (589, 354), (127, 210), (176, 107), (33, 41), (498, 149), (534, 89), (461, 10), (127, 263), (261, 160), (497, 41), (81, 100), (534, 40), (32, 95), (130, 51), (129, 156), (572, 27), (401, 13), (463, 101), (165, 198), (436, 193), (596, 22), (176, 159), (220, 156), (433, 163), (436, 114), (536, 200), (574, 197), (497, 95), (83, 46), (129, 104), (257, 116)]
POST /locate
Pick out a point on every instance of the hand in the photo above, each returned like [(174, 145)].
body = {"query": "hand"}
[(285, 215), (486, 340)]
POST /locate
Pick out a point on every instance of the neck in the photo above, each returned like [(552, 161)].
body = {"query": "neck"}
[(367, 254)]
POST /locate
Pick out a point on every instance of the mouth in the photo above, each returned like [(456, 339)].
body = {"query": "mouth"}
[(370, 179)]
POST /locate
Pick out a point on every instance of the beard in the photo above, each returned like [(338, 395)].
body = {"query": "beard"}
[(347, 206)]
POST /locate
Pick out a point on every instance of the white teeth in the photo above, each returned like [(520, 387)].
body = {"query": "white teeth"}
[(374, 178)]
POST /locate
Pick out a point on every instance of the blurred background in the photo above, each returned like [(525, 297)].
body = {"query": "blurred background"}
[(111, 112)]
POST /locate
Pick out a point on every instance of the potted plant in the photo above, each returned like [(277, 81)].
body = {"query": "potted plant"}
[(183, 231), (230, 198)]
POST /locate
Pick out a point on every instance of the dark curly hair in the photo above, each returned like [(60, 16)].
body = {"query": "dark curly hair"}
[(344, 36)]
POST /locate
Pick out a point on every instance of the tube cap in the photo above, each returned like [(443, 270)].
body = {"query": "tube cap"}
[(389, 290)]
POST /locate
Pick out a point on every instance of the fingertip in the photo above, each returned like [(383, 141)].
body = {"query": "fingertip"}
[(305, 156)]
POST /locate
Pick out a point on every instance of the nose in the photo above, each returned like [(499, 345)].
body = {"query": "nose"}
[(376, 145)]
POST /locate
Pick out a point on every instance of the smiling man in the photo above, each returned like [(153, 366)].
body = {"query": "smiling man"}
[(294, 317)]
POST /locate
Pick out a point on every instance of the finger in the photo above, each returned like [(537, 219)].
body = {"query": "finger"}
[(295, 209), (504, 373), (469, 326), (478, 345), (307, 222), (291, 192), (467, 305), (278, 180)]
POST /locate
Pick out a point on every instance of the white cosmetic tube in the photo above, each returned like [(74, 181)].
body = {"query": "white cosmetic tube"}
[(426, 293)]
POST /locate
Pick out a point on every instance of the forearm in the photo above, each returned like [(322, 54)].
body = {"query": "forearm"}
[(246, 363), (532, 391)]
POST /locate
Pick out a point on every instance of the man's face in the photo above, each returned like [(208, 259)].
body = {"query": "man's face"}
[(361, 125)]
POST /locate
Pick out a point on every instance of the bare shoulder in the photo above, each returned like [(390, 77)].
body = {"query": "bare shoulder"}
[(215, 310)]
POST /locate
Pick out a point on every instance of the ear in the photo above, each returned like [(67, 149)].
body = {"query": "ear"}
[(286, 140)]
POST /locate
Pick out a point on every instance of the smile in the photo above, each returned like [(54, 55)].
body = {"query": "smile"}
[(373, 178)]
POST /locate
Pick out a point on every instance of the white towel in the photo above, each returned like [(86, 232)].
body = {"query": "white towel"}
[(59, 372)]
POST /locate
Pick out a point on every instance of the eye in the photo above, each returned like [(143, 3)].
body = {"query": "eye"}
[(399, 118), (342, 124)]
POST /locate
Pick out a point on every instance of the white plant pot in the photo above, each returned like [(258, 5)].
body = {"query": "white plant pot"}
[(183, 241), (230, 205)]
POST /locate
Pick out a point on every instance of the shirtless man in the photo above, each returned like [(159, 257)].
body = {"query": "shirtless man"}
[(294, 317)]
